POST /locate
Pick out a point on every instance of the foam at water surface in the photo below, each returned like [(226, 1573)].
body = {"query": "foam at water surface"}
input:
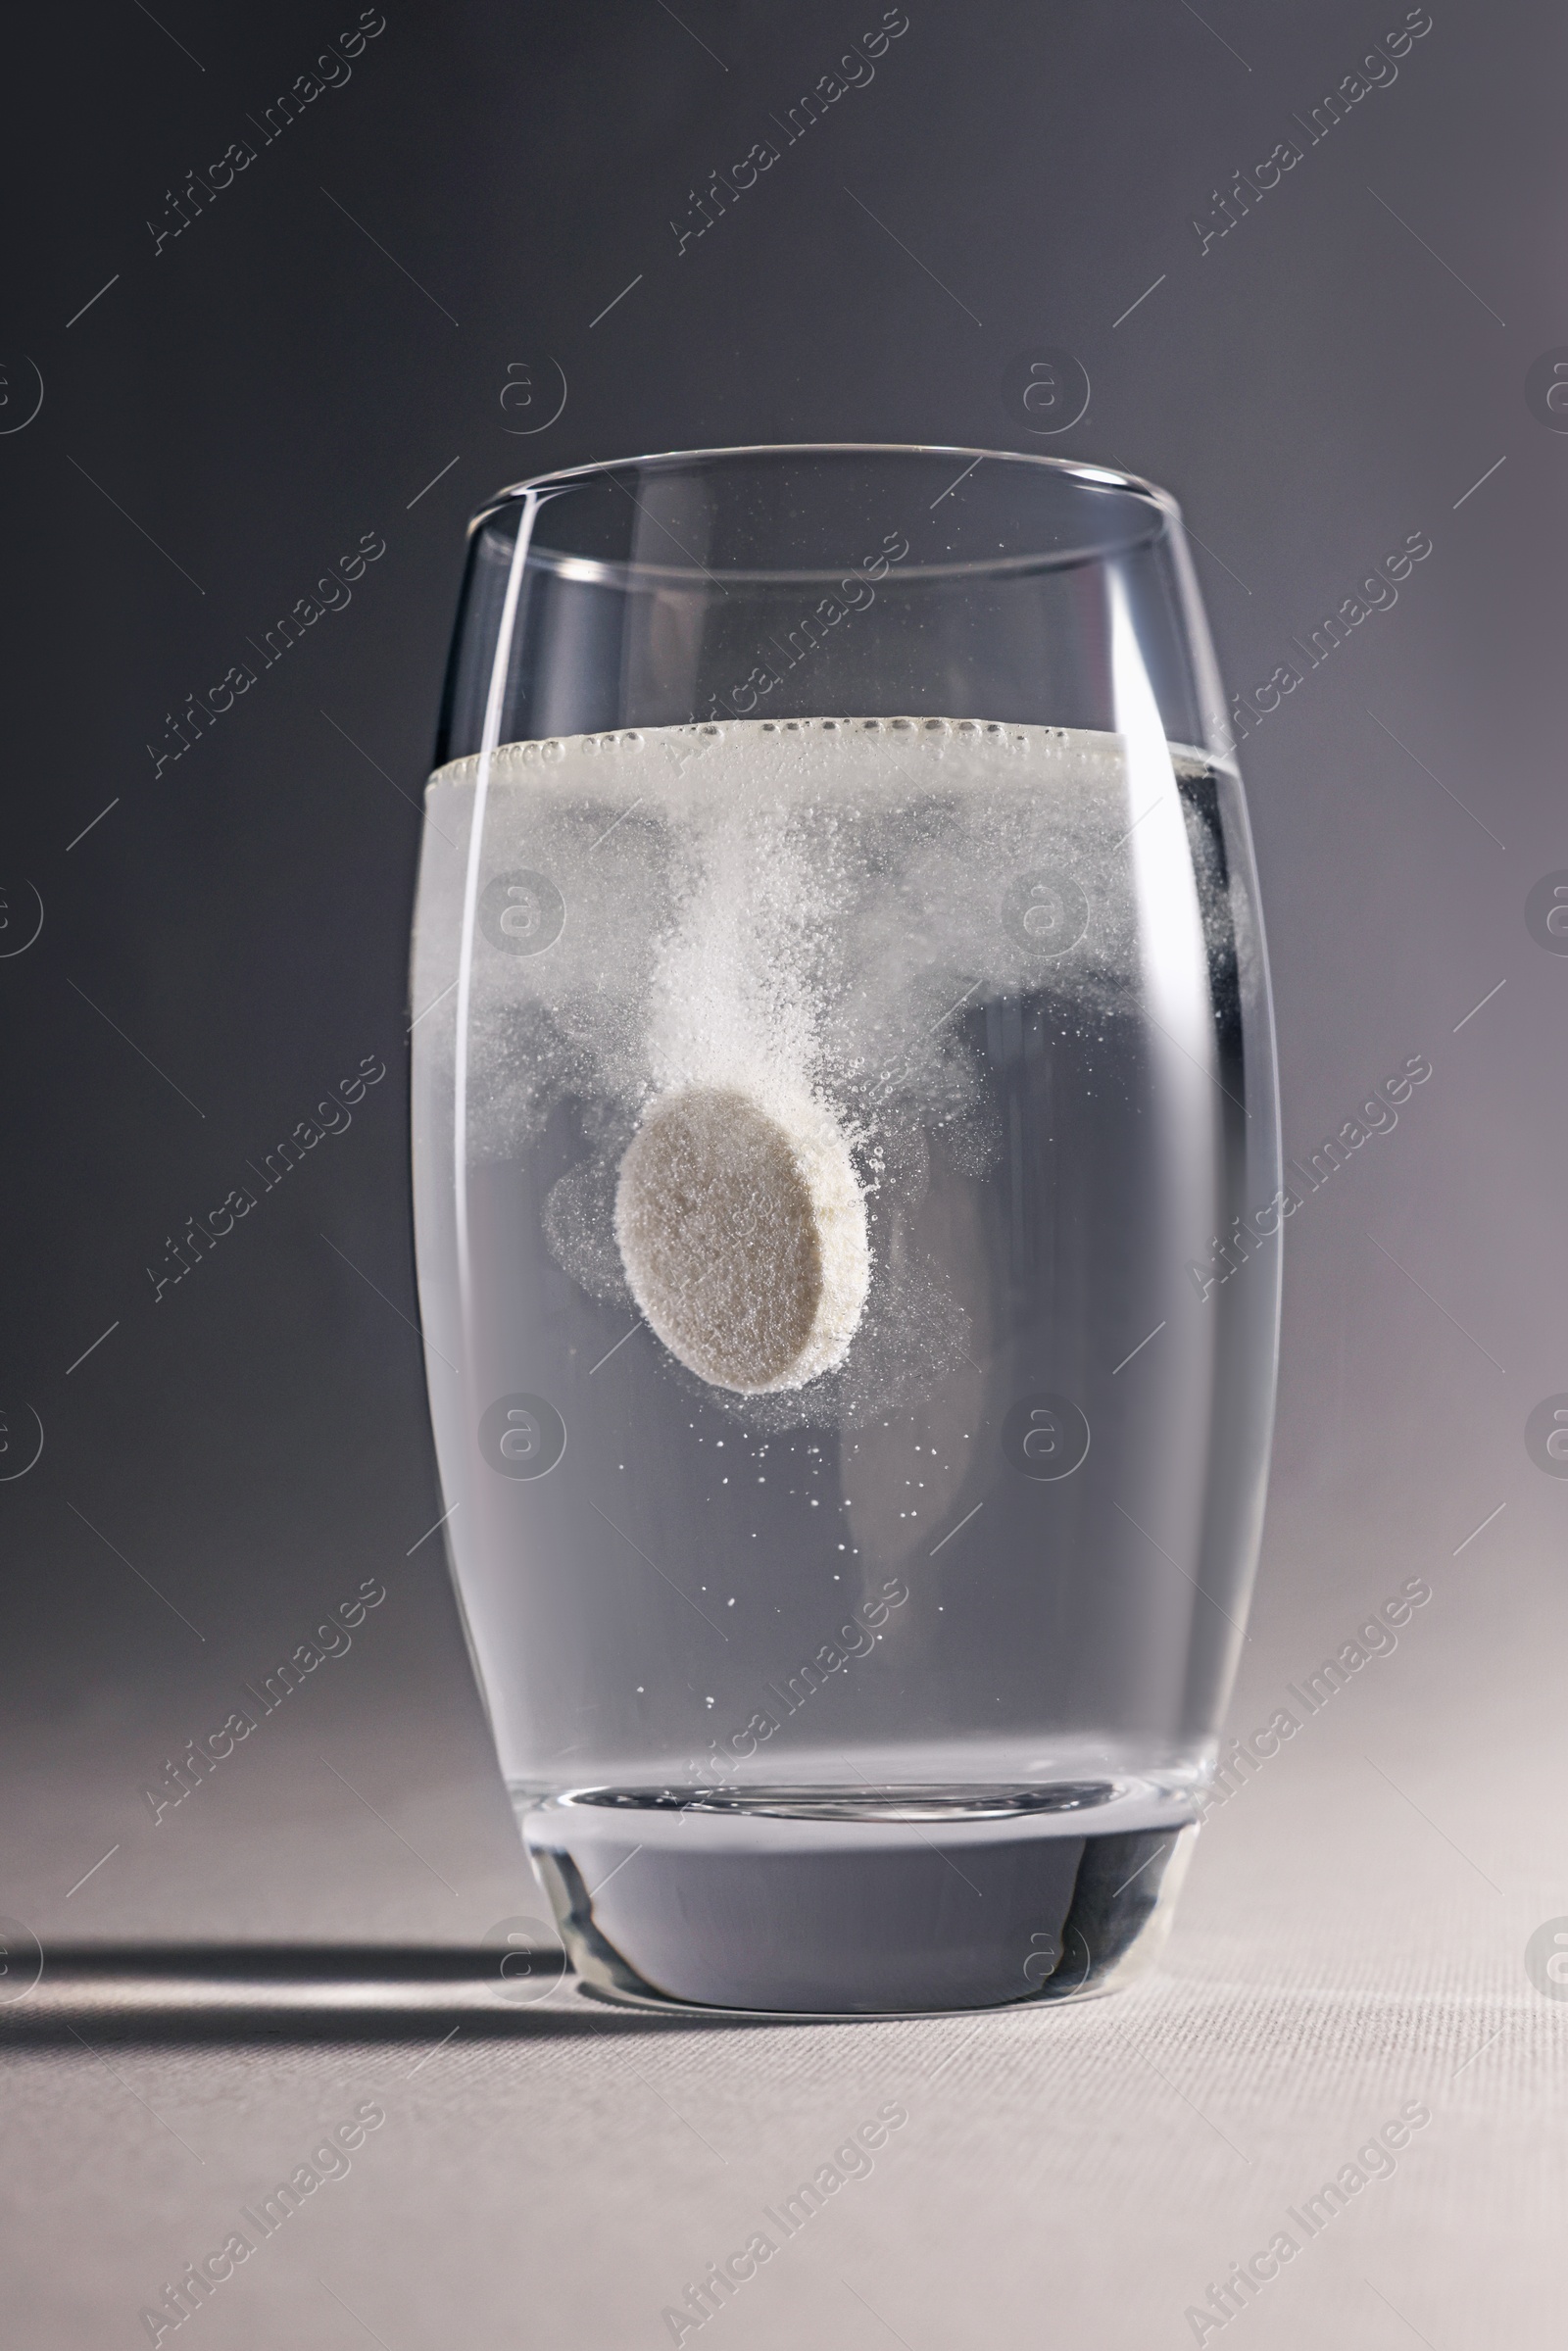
[(799, 911)]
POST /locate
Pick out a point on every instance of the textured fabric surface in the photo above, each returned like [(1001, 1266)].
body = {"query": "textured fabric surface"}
[(1350, 1945)]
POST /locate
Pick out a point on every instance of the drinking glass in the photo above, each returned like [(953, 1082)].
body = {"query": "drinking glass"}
[(848, 1196)]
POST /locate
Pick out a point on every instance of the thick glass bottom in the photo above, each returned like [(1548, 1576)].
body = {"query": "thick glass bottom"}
[(860, 1901)]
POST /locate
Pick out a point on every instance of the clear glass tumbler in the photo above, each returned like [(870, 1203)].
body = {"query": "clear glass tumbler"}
[(846, 1173)]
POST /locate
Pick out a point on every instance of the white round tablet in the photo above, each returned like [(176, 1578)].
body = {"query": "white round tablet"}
[(741, 1227)]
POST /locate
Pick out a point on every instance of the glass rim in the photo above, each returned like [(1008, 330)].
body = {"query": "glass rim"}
[(1166, 521)]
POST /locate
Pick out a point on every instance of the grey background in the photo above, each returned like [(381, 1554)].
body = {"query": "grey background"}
[(1342, 370)]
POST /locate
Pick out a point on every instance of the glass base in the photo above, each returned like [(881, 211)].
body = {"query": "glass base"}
[(860, 1901)]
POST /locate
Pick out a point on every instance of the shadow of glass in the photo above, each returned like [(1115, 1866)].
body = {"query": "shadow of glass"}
[(90, 1995)]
